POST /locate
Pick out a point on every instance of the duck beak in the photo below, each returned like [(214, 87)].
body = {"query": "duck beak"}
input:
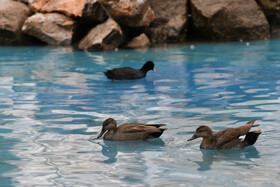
[(154, 69), (101, 133), (193, 137)]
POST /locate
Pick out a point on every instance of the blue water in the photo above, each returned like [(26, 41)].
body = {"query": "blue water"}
[(53, 102)]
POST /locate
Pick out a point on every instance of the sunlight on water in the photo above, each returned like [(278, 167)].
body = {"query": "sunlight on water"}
[(53, 102)]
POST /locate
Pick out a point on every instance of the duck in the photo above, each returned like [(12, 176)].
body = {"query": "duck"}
[(227, 138), (130, 131), (128, 73)]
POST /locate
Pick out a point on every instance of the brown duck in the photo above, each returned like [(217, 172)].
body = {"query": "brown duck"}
[(130, 131), (227, 138)]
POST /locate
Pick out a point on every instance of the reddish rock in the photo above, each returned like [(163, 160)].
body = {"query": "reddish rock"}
[(72, 8), (134, 13), (229, 19), (140, 41), (67, 7), (12, 16), (107, 35), (52, 28), (36, 5), (170, 21)]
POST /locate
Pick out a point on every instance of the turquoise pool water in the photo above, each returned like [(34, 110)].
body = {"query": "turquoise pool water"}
[(53, 102)]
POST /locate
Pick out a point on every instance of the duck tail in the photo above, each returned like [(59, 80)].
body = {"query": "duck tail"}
[(251, 122), (156, 125), (251, 138), (256, 125), (157, 134)]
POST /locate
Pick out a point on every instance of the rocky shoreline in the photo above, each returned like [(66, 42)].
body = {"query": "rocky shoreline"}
[(93, 25)]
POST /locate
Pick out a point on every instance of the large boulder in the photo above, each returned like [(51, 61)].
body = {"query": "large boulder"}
[(12, 16), (52, 28), (133, 13), (170, 21), (105, 36), (229, 19), (89, 9)]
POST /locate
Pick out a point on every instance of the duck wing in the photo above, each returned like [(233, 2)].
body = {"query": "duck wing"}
[(225, 136), (247, 127), (250, 139), (230, 137), (139, 127), (139, 131)]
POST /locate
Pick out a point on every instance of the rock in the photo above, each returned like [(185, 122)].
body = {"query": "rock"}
[(229, 19), (87, 9), (170, 21), (272, 11), (107, 35), (93, 11), (270, 6), (92, 14), (36, 5), (140, 41), (12, 16), (68, 7), (52, 28), (166, 10), (23, 1), (134, 13)]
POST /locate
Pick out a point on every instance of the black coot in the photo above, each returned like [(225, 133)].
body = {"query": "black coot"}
[(127, 73)]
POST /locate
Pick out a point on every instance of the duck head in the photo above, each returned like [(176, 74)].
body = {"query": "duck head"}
[(108, 124), (202, 131), (149, 65)]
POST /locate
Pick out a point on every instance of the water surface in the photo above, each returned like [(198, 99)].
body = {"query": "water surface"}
[(53, 102)]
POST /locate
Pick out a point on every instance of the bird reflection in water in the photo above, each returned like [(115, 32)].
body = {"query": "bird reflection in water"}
[(231, 155), (110, 149)]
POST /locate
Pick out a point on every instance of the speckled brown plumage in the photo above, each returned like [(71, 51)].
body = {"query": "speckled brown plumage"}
[(130, 131), (227, 138)]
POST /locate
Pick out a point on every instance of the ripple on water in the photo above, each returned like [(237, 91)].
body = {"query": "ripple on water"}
[(53, 102)]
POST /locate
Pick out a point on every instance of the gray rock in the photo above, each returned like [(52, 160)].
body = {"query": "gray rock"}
[(170, 21), (12, 16), (229, 19), (140, 41), (52, 28), (107, 35)]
